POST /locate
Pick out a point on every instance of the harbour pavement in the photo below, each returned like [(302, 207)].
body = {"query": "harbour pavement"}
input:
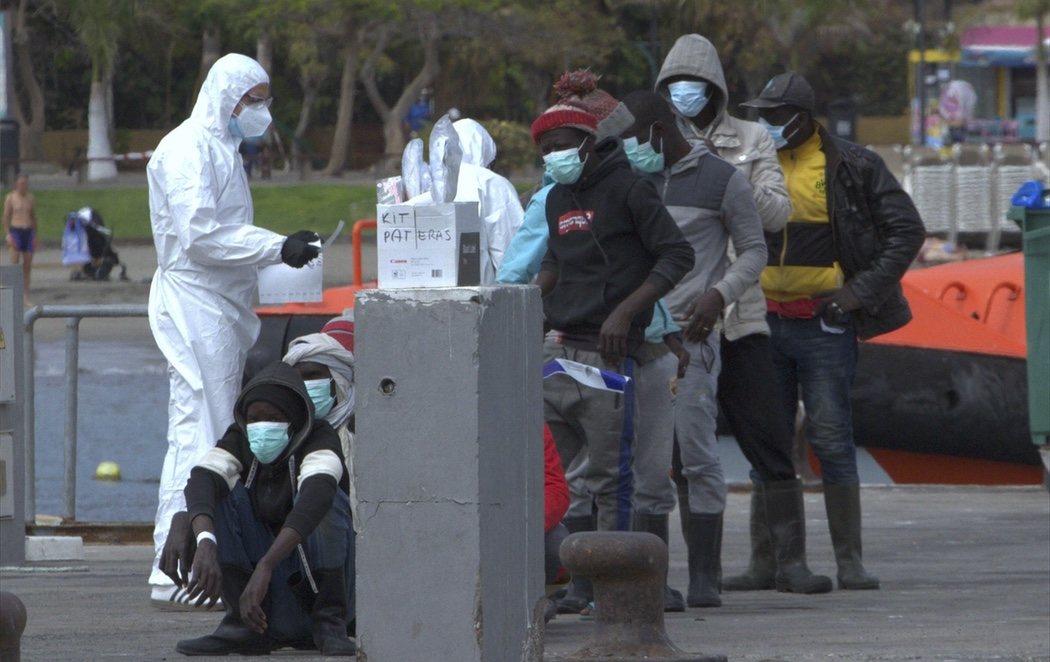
[(965, 576)]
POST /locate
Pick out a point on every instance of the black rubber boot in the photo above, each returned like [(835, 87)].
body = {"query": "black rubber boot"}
[(580, 593), (329, 614), (705, 560), (785, 512), (658, 526), (842, 503), (761, 569), (232, 636)]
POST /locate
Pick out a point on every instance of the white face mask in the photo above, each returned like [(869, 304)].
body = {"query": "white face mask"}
[(251, 123)]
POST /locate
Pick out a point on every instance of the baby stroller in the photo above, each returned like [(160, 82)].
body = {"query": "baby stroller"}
[(88, 243)]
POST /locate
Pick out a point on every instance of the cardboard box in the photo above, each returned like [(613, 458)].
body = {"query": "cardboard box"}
[(436, 245)]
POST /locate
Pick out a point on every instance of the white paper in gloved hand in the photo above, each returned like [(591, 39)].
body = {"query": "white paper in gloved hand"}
[(280, 283)]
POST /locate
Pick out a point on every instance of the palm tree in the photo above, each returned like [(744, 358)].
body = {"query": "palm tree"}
[(98, 24)]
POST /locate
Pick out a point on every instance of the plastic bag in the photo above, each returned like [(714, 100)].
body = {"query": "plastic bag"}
[(75, 251), (413, 169), (390, 191), (445, 157)]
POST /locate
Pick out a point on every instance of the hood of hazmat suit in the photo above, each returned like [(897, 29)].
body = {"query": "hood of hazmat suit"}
[(498, 205), (201, 298)]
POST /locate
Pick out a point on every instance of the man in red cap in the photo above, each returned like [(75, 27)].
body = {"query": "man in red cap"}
[(613, 252)]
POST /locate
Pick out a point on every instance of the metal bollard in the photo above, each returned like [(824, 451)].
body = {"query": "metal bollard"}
[(12, 625), (627, 570)]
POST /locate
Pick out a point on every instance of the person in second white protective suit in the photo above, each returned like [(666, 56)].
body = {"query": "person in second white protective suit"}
[(498, 205), (208, 252)]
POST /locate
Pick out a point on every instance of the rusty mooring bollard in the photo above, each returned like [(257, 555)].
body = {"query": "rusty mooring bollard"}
[(12, 624), (627, 570)]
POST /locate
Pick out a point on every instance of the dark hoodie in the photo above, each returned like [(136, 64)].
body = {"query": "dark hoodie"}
[(313, 453), (609, 233)]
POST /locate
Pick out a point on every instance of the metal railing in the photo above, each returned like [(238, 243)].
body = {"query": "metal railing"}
[(967, 188), (72, 314)]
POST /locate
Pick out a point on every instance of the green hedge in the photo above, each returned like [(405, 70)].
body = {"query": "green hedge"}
[(283, 209)]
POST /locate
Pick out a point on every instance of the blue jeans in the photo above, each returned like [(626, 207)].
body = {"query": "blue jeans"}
[(243, 540), (808, 355)]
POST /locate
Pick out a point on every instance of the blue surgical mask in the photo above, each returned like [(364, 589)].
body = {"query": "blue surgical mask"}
[(565, 165), (689, 96), (320, 391), (775, 132), (267, 439), (644, 157)]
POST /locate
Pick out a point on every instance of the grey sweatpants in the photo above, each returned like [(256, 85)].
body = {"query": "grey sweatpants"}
[(654, 491), (695, 422), (598, 427)]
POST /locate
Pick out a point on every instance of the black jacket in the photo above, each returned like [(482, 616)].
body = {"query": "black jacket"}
[(609, 233), (310, 463), (877, 233)]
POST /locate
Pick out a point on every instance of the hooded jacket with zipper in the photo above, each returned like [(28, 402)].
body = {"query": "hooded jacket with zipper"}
[(745, 145), (609, 234), (711, 202), (297, 488), (877, 233)]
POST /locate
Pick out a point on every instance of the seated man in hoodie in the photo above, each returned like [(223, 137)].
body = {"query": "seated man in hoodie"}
[(267, 527), (326, 364)]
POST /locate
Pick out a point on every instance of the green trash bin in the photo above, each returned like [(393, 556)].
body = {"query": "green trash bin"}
[(1031, 211)]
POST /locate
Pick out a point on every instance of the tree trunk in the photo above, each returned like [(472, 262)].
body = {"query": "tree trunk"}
[(393, 128), (264, 51), (1042, 93), (309, 97), (339, 156), (31, 136), (100, 154), (211, 50)]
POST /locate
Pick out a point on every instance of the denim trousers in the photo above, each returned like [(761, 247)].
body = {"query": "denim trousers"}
[(819, 362), (243, 540)]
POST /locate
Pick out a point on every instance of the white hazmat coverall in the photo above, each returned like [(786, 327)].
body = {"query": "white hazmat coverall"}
[(200, 302)]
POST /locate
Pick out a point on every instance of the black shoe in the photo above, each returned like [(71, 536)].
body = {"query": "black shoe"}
[(225, 641)]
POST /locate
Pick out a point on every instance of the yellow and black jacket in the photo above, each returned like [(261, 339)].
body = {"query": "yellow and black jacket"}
[(875, 234)]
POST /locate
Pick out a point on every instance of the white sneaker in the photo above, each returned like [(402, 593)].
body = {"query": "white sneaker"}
[(173, 598)]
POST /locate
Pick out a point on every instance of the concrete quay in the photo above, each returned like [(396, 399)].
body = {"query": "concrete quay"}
[(965, 576)]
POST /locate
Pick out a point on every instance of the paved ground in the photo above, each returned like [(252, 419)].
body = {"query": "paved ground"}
[(965, 576)]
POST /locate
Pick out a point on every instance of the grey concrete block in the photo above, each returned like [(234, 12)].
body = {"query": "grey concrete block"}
[(54, 548), (448, 469)]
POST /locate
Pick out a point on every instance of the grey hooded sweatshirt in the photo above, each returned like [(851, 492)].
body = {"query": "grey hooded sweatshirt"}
[(711, 202), (748, 147)]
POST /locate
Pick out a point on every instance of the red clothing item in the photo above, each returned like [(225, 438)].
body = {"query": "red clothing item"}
[(555, 489)]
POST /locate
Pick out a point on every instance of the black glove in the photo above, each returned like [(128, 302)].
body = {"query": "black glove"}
[(836, 305), (297, 251)]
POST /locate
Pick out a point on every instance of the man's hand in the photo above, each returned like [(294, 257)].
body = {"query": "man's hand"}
[(252, 612), (835, 305), (206, 576), (702, 314), (179, 548), (297, 251), (612, 338)]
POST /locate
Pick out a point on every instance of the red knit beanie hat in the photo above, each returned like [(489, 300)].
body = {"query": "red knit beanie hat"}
[(342, 329), (579, 88), (560, 115)]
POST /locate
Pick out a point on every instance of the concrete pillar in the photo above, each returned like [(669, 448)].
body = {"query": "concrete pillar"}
[(448, 468)]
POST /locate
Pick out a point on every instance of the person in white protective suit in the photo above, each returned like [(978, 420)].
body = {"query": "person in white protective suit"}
[(499, 209), (208, 252)]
